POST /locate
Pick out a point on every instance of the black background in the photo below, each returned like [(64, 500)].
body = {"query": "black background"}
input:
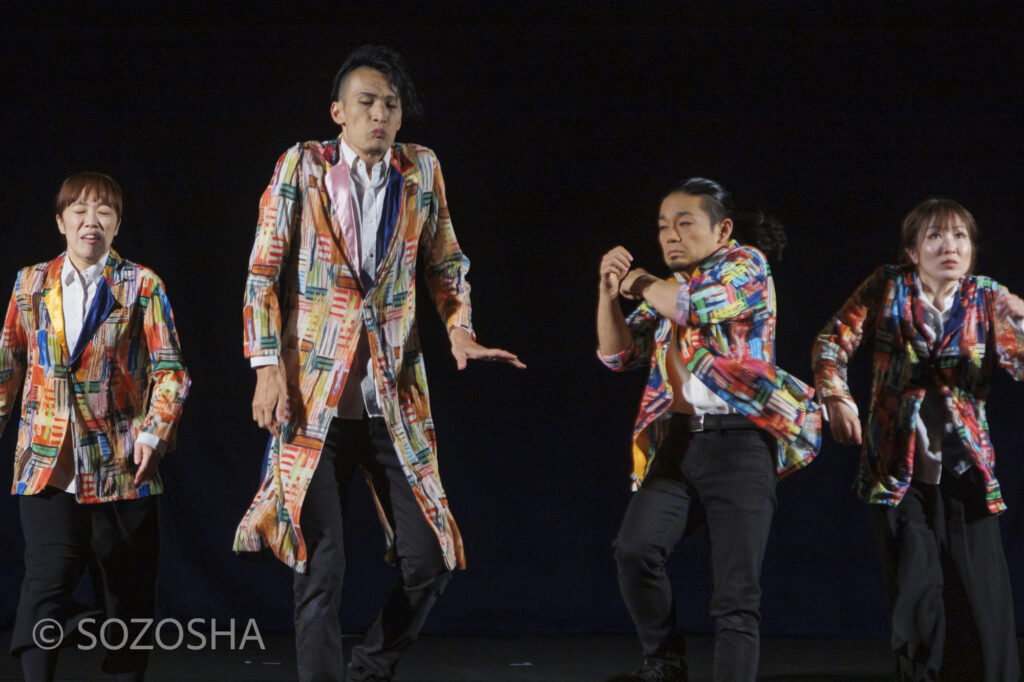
[(558, 131)]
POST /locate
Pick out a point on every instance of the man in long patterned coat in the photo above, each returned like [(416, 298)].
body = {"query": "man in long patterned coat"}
[(330, 326)]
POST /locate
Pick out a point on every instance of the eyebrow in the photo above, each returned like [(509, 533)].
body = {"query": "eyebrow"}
[(364, 93), (679, 214)]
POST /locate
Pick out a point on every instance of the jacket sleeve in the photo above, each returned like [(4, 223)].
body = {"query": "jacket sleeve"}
[(1009, 337), (734, 288), (445, 265), (13, 351), (168, 375), (642, 323), (841, 336), (280, 211)]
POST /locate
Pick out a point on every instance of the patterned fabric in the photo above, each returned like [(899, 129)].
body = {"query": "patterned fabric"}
[(726, 317), (887, 310), (131, 345), (304, 301)]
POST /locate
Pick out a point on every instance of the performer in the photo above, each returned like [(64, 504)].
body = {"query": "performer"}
[(92, 338), (718, 422), (330, 327), (927, 470)]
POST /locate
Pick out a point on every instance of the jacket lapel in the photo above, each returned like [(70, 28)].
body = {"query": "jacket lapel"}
[(343, 224), (53, 299)]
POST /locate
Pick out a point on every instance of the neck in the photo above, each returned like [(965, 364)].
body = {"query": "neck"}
[(936, 290), (79, 264), (370, 159)]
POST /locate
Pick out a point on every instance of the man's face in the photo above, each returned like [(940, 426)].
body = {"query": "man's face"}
[(89, 227), (370, 113), (685, 232)]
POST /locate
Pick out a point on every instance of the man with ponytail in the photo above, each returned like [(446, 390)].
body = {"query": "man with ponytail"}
[(718, 421)]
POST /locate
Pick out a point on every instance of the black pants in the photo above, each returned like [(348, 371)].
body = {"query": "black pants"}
[(732, 477), (422, 573), (119, 541), (935, 533)]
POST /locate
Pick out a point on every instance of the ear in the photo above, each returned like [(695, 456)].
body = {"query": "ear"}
[(60, 225), (726, 230), (914, 258), (337, 113)]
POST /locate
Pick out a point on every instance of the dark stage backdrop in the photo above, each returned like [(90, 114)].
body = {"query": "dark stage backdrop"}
[(557, 140)]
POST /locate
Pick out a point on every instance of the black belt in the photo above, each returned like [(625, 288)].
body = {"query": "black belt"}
[(718, 422)]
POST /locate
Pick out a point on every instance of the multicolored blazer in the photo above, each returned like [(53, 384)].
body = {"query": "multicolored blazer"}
[(887, 310), (125, 377), (305, 302), (726, 319)]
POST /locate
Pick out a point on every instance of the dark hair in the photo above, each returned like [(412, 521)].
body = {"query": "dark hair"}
[(929, 213), (102, 186), (755, 229), (389, 63)]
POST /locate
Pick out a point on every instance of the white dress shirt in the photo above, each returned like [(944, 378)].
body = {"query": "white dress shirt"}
[(368, 188), (78, 289)]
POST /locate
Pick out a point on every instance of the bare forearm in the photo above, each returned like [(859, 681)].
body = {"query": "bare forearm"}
[(612, 331), (663, 296)]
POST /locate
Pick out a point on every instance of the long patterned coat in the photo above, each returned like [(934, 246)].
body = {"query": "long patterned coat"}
[(886, 310), (725, 314), (304, 301), (128, 344)]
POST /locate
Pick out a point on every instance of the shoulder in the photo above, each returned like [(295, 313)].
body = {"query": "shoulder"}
[(30, 279), (308, 153), (983, 283), (146, 281), (409, 154)]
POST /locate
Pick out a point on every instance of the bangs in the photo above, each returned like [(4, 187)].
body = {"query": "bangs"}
[(98, 186)]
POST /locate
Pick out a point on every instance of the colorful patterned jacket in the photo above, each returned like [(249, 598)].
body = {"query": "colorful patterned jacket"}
[(726, 318), (887, 310), (125, 377), (304, 301)]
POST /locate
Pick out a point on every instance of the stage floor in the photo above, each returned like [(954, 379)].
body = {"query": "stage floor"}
[(595, 658)]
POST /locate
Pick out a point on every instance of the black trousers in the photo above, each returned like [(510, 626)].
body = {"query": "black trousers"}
[(725, 479), (933, 535), (422, 573), (119, 541)]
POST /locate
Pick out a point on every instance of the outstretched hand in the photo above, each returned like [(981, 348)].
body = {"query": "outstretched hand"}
[(464, 348)]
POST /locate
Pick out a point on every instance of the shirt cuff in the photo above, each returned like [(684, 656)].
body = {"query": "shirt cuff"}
[(262, 361), (153, 442)]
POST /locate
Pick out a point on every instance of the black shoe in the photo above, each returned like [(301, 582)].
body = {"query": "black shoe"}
[(657, 670)]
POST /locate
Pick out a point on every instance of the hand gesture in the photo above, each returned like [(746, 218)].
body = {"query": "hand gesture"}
[(843, 421), (464, 348), (614, 266), (270, 400), (146, 460), (1011, 306)]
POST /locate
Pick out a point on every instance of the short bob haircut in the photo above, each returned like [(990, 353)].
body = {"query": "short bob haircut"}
[(99, 185), (388, 62), (932, 212)]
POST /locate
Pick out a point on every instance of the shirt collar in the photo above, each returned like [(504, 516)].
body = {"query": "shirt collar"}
[(352, 159), (947, 303), (92, 274)]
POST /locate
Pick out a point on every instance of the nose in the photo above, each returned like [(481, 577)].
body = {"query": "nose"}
[(379, 111)]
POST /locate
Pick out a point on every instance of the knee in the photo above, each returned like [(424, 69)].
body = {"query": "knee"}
[(424, 572), (633, 554), (741, 621)]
